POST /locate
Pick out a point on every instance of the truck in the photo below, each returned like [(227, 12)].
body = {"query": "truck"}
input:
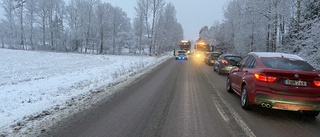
[(185, 45), (202, 49)]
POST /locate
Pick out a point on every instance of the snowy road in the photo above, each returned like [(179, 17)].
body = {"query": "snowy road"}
[(183, 98)]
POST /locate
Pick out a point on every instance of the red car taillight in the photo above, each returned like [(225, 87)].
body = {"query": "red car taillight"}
[(263, 77), (317, 83), (224, 62)]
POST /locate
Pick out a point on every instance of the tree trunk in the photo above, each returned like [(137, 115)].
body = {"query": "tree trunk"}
[(275, 32), (298, 17), (101, 41), (21, 26)]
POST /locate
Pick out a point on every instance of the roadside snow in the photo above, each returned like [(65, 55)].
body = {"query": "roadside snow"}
[(38, 89)]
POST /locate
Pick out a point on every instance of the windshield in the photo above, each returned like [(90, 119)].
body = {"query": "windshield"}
[(181, 52)]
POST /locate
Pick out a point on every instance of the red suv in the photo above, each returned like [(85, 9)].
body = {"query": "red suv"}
[(277, 81)]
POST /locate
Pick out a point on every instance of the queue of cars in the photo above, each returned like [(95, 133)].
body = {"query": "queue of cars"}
[(271, 80)]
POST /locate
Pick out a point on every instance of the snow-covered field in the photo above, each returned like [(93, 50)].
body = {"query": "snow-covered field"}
[(38, 89)]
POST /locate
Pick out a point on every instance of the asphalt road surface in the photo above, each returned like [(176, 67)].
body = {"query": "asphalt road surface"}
[(185, 99)]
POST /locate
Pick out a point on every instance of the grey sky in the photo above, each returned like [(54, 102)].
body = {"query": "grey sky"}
[(192, 14)]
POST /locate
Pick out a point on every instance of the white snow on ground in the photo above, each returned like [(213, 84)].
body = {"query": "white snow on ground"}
[(38, 89)]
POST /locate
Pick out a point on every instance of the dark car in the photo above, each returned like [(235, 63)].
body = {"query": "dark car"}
[(277, 81), (225, 62), (181, 55), (212, 57)]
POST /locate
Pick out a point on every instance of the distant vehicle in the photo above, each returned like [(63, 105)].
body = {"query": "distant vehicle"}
[(185, 45), (225, 62), (181, 55), (212, 57), (277, 81), (202, 50)]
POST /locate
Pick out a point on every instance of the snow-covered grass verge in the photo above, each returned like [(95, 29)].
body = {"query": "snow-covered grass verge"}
[(38, 89)]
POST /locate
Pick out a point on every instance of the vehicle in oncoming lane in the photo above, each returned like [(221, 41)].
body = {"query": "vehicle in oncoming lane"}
[(181, 55), (277, 81), (225, 63)]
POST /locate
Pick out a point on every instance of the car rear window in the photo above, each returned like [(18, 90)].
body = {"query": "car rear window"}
[(287, 64), (215, 54), (232, 58)]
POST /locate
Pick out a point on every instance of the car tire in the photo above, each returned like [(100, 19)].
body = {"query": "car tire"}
[(218, 70), (311, 113), (245, 104), (228, 86)]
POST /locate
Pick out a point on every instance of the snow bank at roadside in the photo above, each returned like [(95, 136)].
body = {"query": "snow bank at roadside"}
[(39, 88)]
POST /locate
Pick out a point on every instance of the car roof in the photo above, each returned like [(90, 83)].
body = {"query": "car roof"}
[(277, 55)]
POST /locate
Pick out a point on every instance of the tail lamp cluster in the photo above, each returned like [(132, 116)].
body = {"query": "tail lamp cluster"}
[(265, 78)]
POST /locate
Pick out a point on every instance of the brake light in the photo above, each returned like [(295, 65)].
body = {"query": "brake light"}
[(317, 83), (224, 62), (263, 77)]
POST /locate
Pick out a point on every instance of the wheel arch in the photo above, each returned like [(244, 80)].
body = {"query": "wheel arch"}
[(251, 99)]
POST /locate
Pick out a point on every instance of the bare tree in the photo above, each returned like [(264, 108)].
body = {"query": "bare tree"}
[(140, 25), (156, 7), (31, 10), (8, 6)]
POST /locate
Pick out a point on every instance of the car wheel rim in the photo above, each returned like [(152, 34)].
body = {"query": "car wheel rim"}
[(244, 97)]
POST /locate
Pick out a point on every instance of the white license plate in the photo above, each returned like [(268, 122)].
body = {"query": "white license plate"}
[(295, 83)]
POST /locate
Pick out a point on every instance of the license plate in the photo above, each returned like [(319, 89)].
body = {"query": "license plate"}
[(295, 83)]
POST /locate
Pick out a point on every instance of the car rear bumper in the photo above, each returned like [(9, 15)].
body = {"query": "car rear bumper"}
[(225, 69), (287, 102)]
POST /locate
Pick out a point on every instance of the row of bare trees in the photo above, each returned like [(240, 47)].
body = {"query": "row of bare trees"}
[(267, 25), (89, 26), (158, 22)]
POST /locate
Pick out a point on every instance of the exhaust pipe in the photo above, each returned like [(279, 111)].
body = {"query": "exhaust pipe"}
[(266, 105)]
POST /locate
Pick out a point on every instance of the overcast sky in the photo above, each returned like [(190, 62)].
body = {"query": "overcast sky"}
[(192, 14)]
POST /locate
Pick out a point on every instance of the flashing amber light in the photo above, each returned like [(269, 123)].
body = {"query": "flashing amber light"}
[(317, 83), (263, 77), (202, 43)]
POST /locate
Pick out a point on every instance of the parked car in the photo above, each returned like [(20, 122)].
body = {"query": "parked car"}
[(225, 63), (181, 55), (277, 81), (212, 57)]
